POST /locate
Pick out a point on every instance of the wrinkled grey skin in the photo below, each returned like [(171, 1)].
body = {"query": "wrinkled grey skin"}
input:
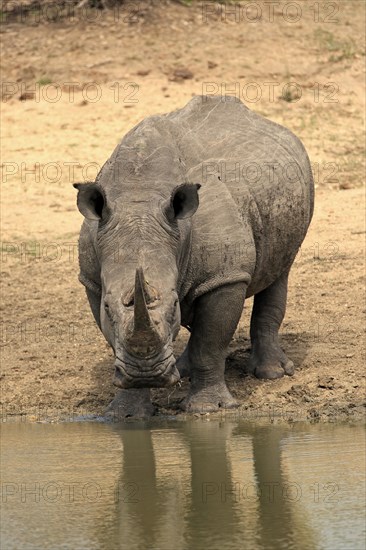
[(194, 211)]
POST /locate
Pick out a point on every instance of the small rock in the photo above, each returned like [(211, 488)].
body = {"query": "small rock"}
[(297, 390), (211, 64), (314, 413), (326, 382), (143, 72), (26, 95), (181, 74), (345, 185)]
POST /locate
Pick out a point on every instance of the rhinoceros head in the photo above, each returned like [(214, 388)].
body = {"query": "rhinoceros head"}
[(140, 247)]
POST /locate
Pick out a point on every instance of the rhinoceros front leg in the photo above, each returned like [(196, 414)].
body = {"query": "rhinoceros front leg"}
[(216, 317), (267, 359)]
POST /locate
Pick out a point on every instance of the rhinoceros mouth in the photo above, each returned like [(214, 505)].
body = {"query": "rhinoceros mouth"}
[(160, 374)]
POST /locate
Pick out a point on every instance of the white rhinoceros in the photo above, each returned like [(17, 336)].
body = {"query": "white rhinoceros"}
[(193, 212)]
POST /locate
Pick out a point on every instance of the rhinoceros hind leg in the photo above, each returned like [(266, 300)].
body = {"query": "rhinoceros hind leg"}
[(216, 315), (267, 359), (130, 403), (183, 364), (270, 367)]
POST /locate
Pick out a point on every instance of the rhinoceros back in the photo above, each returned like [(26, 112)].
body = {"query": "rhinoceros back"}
[(257, 188), (256, 199)]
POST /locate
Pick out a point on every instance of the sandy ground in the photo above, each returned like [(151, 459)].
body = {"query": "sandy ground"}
[(71, 89)]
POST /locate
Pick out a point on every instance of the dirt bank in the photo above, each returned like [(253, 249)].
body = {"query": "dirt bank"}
[(93, 81)]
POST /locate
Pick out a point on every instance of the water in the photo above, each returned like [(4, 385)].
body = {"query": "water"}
[(182, 485)]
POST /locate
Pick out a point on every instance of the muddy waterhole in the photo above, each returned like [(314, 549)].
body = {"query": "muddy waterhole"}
[(167, 484)]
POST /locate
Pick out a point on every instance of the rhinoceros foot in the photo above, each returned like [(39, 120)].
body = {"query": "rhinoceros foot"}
[(209, 399), (270, 365), (130, 403)]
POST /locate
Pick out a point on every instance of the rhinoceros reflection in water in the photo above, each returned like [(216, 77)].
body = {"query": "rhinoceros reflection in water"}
[(181, 485), (202, 490)]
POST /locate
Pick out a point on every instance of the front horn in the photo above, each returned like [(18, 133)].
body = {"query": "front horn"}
[(144, 334)]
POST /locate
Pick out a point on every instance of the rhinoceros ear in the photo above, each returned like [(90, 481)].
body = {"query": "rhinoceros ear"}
[(91, 200), (183, 201)]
